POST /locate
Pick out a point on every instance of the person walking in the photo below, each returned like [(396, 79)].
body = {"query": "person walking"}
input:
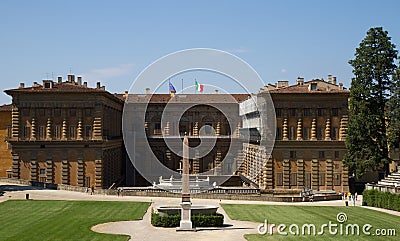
[(92, 193)]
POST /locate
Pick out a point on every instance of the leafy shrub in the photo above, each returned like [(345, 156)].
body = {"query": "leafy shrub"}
[(216, 220), (387, 200)]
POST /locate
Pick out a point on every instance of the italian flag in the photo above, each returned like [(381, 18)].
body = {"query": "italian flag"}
[(199, 87)]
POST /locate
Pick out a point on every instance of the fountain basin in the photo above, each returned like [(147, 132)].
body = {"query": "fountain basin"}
[(195, 210)]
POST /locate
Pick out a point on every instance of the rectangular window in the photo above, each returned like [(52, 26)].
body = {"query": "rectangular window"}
[(42, 171), (293, 179), (336, 154), (72, 112), (337, 179), (42, 132), (321, 179), (321, 154), (307, 179), (306, 133), (292, 133), (279, 179), (320, 112), (72, 132), (334, 133), (292, 112), (278, 133), (88, 132), (307, 112), (42, 112), (57, 112), (57, 132), (292, 154), (25, 112), (27, 132), (9, 174), (42, 179), (336, 166), (320, 133), (313, 86), (335, 112), (88, 112), (87, 182), (278, 112)]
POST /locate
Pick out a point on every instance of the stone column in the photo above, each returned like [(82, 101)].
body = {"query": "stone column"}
[(299, 132), (64, 130), (314, 174), (328, 130), (48, 129), (343, 127), (33, 129), (15, 123), (269, 168), (286, 174), (80, 130), (34, 173), (300, 173), (285, 130), (314, 130)]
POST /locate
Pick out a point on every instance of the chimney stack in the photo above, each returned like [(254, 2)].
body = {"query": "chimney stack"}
[(98, 85), (215, 91), (79, 80), (282, 83), (334, 80), (21, 85), (85, 84), (330, 78), (299, 81), (340, 86), (147, 91), (59, 79)]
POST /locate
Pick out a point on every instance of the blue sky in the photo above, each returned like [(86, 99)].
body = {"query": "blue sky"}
[(112, 41)]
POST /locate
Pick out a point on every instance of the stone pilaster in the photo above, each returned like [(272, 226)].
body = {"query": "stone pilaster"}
[(286, 174), (285, 130), (81, 173), (329, 174), (166, 129), (300, 173), (15, 123), (196, 129), (34, 170), (65, 172), (345, 179), (15, 166), (328, 130), (299, 132), (269, 168), (218, 129), (49, 171), (343, 127), (314, 130), (238, 129), (217, 166), (99, 173), (196, 163), (314, 174), (146, 127), (80, 130)]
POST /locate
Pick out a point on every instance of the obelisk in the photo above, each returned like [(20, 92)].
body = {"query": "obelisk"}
[(186, 223)]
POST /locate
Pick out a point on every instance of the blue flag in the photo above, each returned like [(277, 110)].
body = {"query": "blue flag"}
[(171, 87)]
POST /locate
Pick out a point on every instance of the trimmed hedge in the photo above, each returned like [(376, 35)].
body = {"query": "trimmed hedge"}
[(216, 220), (387, 200)]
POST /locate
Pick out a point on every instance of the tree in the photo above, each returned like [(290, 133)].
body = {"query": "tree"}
[(394, 112), (373, 69)]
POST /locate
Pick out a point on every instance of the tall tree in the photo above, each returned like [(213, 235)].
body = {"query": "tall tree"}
[(373, 68), (394, 112)]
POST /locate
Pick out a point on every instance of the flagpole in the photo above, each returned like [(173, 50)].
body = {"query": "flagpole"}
[(195, 87)]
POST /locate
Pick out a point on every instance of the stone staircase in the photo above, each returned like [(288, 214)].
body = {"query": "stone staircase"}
[(391, 184)]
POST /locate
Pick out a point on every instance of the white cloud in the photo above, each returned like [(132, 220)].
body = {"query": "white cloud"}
[(109, 72)]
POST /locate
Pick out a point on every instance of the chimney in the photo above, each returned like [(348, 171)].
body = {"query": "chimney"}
[(98, 85), (79, 80), (282, 83), (340, 86), (70, 78), (330, 78), (215, 91), (334, 80), (126, 94), (59, 79), (85, 84), (147, 91), (35, 84), (299, 81), (21, 85)]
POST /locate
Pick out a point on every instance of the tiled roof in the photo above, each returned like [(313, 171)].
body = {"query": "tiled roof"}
[(305, 89), (7, 107), (57, 87), (185, 98)]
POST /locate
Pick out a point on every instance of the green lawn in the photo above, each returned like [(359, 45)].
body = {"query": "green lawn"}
[(63, 220), (313, 215)]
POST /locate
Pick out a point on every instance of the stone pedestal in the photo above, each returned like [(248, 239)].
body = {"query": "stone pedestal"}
[(186, 223)]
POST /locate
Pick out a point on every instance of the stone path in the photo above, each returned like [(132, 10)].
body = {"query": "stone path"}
[(143, 230)]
